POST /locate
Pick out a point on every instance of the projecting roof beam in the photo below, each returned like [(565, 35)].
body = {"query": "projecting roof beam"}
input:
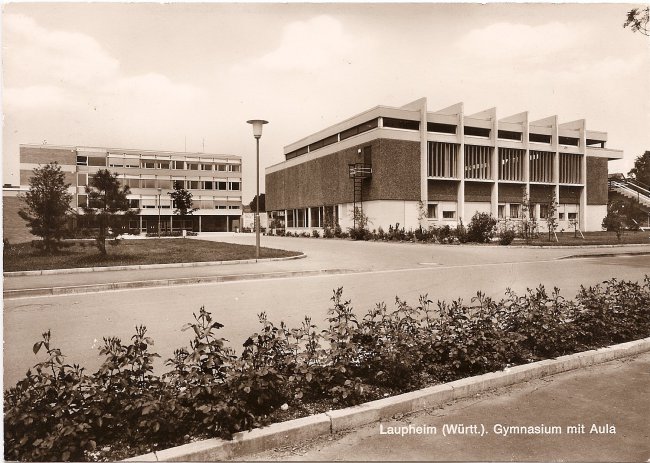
[(415, 105), (487, 115), (574, 125), (516, 118), (546, 122), (451, 110)]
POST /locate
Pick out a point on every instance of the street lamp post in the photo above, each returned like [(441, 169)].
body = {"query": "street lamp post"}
[(257, 133), (159, 191)]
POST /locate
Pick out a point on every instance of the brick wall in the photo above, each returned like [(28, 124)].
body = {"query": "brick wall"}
[(13, 227), (596, 180), (325, 180), (569, 194), (443, 190), (510, 193), (541, 193), (44, 154), (478, 192)]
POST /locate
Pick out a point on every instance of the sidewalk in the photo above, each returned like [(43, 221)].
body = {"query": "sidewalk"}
[(332, 256), (614, 396)]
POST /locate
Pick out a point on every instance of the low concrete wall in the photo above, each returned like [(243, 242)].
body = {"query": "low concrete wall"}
[(296, 431)]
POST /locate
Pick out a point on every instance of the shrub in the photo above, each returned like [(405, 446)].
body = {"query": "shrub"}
[(327, 233), (506, 237), (315, 234), (58, 412), (481, 228), (444, 234)]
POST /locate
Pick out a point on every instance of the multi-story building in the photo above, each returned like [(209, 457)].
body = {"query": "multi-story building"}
[(215, 181), (409, 165)]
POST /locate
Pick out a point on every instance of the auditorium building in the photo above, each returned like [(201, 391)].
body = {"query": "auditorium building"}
[(411, 166), (214, 180)]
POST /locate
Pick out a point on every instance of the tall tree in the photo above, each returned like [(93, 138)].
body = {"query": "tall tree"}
[(253, 203), (182, 200), (48, 203), (641, 169), (637, 19), (108, 206)]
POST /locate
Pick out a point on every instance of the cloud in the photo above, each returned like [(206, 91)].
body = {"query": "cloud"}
[(36, 96), (521, 41), (312, 45), (34, 55), (69, 71)]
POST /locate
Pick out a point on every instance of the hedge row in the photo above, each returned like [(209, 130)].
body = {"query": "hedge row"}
[(58, 412)]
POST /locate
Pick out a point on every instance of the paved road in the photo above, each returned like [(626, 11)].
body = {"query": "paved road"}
[(614, 396), (78, 322)]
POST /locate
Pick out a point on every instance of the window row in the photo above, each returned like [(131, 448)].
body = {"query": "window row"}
[(168, 184), (442, 162), (316, 217), (432, 212), (102, 161), (165, 203)]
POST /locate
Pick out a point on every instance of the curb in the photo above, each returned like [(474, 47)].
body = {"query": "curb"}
[(604, 254), (296, 431), (58, 290), (63, 271), (579, 246)]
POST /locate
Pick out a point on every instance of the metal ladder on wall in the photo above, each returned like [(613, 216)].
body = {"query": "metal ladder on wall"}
[(358, 173)]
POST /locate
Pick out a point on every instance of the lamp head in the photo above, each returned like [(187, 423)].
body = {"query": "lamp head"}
[(257, 126)]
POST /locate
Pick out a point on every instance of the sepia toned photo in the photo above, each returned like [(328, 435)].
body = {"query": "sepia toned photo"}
[(326, 231)]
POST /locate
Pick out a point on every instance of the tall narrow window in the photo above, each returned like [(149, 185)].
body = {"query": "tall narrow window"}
[(477, 162), (511, 164), (442, 160)]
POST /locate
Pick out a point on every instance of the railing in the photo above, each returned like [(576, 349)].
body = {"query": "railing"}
[(631, 188), (359, 170)]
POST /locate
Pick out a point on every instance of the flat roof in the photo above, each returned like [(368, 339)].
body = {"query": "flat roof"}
[(132, 150)]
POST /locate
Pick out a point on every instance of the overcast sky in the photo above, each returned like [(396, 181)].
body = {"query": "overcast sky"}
[(173, 77)]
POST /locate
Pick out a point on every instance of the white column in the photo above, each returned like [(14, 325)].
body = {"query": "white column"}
[(494, 168), (460, 165), (582, 213), (555, 140), (526, 159)]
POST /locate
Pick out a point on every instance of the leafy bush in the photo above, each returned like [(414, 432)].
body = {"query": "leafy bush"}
[(58, 412), (315, 234), (506, 237), (481, 228)]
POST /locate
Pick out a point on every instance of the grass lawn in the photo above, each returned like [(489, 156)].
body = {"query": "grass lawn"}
[(24, 256), (591, 238)]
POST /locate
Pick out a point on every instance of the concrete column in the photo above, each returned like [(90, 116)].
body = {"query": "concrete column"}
[(199, 224), (140, 224), (555, 141), (171, 222), (526, 159), (460, 174), (424, 183), (494, 168), (582, 213)]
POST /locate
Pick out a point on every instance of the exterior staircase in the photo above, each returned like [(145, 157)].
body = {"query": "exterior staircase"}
[(631, 189)]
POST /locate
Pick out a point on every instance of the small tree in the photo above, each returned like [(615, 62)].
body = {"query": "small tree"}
[(613, 222), (182, 200), (481, 228), (637, 19), (48, 203), (360, 232), (551, 217), (526, 225), (253, 203), (641, 169), (108, 206)]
